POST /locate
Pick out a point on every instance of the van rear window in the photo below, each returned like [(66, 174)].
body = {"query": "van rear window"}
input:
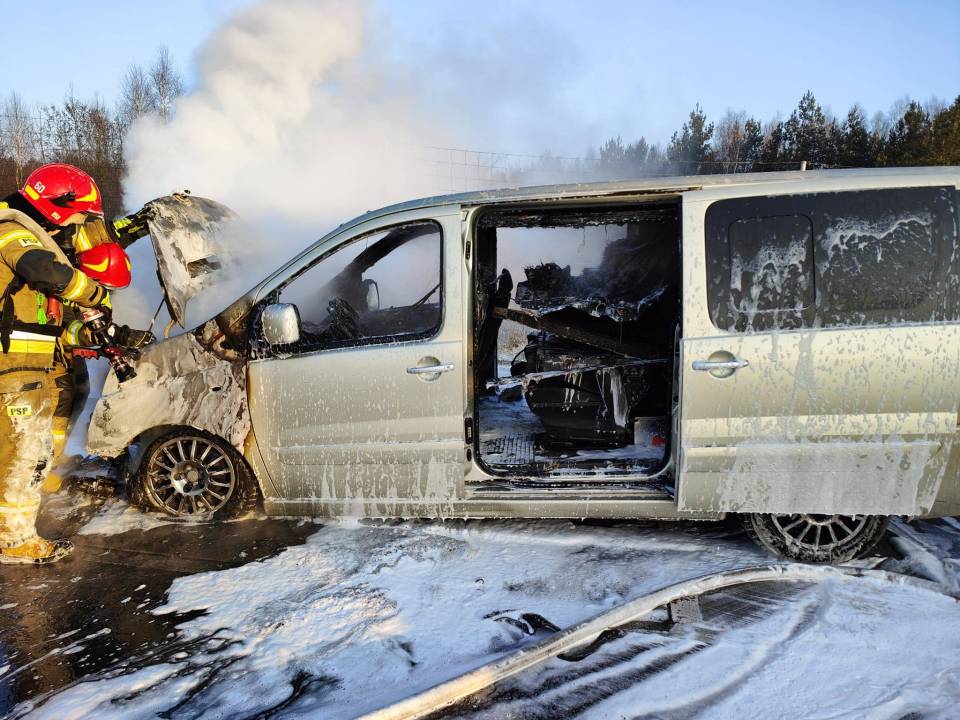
[(829, 259)]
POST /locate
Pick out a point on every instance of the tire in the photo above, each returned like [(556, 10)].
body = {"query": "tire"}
[(193, 475), (816, 538)]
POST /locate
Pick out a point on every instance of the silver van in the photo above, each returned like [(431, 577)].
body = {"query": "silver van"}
[(781, 346)]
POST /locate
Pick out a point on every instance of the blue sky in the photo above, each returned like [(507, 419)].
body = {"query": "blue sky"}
[(605, 66)]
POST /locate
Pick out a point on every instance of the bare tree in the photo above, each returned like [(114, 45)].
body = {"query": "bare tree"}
[(728, 139), (880, 124), (19, 134), (102, 134), (76, 116), (137, 97), (738, 142), (935, 105), (167, 85)]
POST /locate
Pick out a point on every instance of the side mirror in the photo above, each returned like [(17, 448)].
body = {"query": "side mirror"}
[(281, 324), (373, 295)]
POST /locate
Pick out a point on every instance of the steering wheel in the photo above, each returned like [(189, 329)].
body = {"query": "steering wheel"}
[(344, 320)]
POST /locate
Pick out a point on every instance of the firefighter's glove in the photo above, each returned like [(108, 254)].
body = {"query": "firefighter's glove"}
[(128, 337), (130, 228)]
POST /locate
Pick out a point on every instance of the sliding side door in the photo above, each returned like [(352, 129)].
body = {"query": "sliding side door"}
[(821, 350)]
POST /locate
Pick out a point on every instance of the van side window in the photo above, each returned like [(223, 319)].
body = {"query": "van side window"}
[(771, 268), (878, 253), (380, 287), (833, 259)]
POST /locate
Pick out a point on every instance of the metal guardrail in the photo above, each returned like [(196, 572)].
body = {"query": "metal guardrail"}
[(452, 691)]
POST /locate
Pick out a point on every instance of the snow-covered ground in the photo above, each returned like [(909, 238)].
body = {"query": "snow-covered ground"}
[(363, 615)]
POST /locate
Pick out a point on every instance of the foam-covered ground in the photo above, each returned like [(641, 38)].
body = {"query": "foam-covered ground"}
[(362, 615)]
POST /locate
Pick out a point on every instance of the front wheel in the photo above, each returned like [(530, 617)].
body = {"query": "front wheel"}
[(816, 538), (193, 475)]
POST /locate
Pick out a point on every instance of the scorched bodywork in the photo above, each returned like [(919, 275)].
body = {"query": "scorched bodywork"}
[(785, 346)]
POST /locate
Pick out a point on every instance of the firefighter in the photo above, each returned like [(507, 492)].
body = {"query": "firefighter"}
[(93, 251), (34, 269)]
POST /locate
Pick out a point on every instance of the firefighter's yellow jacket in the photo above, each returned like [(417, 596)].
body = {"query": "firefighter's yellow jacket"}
[(32, 268)]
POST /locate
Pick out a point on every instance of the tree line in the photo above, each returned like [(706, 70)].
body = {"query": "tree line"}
[(91, 135), (912, 133), (85, 133)]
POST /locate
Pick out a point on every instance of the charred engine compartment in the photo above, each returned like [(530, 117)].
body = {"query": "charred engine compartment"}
[(574, 363)]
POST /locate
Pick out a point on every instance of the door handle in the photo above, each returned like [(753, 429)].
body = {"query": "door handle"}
[(709, 365), (430, 369)]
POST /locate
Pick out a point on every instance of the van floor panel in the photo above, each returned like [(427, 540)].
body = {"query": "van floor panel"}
[(508, 440), (509, 450)]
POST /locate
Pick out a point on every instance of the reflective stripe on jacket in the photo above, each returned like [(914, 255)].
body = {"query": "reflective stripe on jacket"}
[(29, 271), (28, 342), (26, 256)]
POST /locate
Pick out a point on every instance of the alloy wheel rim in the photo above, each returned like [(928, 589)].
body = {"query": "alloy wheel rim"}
[(191, 476), (819, 532)]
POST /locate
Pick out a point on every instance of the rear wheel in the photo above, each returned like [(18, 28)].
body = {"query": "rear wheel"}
[(816, 538), (193, 475)]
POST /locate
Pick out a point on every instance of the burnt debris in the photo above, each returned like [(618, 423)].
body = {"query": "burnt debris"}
[(600, 356)]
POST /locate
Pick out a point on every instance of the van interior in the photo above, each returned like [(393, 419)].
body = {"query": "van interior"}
[(576, 319)]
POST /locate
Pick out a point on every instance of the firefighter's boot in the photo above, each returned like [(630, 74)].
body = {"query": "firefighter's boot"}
[(36, 551)]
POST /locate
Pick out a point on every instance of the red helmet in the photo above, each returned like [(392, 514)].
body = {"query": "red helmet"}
[(59, 192), (108, 264)]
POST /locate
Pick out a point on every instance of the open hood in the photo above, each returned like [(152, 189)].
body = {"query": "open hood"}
[(194, 239)]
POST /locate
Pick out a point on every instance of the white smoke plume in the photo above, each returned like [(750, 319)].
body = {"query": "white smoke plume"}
[(292, 124), (292, 118), (305, 116)]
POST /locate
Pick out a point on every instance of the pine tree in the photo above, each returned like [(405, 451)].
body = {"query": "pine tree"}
[(945, 136), (909, 142), (612, 165), (636, 154), (655, 159), (773, 151), (690, 149), (611, 152), (831, 149), (857, 147), (752, 151), (807, 135)]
